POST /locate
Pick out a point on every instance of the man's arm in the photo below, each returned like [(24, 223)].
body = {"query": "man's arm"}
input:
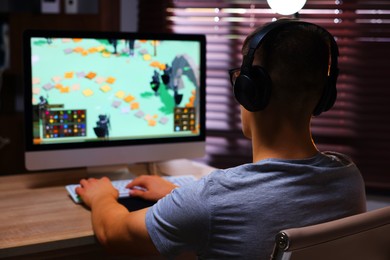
[(117, 229)]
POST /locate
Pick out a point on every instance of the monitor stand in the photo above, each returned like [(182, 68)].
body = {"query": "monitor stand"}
[(113, 172), (118, 172)]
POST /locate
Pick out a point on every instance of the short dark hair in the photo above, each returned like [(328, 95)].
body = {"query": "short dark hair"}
[(297, 58)]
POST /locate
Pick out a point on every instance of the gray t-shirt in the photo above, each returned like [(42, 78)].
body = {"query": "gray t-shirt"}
[(236, 213)]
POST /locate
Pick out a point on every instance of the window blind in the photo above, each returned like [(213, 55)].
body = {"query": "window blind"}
[(358, 125)]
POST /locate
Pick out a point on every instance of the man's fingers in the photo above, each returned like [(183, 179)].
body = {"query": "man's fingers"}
[(141, 181), (137, 193)]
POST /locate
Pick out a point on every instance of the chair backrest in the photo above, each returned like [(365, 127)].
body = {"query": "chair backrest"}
[(363, 236)]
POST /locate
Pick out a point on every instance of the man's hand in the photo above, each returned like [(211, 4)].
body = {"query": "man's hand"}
[(117, 229), (154, 187), (92, 190)]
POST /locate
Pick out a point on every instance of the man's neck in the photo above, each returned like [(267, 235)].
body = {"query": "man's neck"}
[(282, 142)]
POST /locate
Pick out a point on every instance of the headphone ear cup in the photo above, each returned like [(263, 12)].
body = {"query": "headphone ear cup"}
[(253, 90)]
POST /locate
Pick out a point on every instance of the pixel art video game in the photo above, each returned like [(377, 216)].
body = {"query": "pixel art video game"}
[(87, 90)]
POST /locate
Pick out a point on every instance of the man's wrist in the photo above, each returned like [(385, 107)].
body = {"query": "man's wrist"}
[(104, 199)]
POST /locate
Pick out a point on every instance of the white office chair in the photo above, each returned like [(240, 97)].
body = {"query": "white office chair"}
[(364, 236)]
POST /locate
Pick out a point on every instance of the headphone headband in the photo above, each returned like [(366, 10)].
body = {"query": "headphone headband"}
[(245, 82)]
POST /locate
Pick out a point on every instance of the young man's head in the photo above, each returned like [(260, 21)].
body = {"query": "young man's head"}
[(296, 56)]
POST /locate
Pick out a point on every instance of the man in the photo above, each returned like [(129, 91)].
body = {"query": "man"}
[(289, 73)]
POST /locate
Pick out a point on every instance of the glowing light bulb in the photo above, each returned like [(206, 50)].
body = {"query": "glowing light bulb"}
[(286, 7)]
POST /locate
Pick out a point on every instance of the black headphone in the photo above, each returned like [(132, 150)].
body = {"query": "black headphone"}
[(252, 88)]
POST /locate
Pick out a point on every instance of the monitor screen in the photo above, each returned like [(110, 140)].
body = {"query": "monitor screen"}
[(107, 98)]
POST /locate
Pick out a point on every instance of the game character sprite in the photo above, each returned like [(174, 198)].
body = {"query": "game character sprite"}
[(131, 47), (178, 97), (43, 103), (155, 83), (102, 126), (114, 43), (167, 74)]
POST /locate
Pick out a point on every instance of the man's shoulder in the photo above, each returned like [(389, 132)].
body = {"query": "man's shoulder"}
[(277, 169)]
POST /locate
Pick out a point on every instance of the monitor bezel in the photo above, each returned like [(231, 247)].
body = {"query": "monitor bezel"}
[(30, 148)]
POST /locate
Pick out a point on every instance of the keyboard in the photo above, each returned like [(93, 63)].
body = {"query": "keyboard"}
[(120, 185)]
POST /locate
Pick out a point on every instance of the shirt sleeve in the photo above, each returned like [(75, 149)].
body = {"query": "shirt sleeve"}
[(181, 220)]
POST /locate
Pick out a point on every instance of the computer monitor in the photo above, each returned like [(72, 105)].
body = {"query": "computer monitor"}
[(112, 98)]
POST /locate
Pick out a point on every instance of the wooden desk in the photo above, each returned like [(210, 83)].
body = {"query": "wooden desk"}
[(38, 219)]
